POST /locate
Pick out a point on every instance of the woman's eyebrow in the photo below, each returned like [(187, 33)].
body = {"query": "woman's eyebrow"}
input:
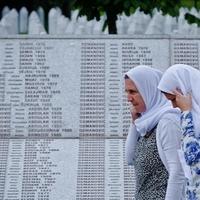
[(130, 90)]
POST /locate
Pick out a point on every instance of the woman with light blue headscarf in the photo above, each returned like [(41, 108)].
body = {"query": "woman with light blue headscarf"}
[(181, 85), (154, 138)]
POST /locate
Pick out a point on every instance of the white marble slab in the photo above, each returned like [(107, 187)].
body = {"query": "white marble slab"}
[(64, 114)]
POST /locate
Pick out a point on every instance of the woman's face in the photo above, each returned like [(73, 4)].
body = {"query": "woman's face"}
[(134, 96), (172, 98)]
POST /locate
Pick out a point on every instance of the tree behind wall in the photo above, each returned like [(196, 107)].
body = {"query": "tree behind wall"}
[(94, 8), (111, 8)]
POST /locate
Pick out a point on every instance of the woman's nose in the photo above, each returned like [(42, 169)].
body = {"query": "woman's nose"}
[(129, 97)]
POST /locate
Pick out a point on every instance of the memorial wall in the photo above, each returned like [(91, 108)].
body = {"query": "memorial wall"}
[(64, 115)]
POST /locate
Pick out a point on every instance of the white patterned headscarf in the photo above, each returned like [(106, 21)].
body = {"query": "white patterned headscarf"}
[(146, 80), (187, 79)]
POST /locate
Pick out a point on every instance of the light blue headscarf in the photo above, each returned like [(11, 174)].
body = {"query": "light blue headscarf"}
[(146, 80)]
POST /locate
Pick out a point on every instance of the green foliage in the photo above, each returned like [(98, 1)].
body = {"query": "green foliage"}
[(166, 6), (192, 19), (95, 8), (111, 8)]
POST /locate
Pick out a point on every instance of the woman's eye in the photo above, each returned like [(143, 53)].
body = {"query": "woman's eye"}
[(132, 91)]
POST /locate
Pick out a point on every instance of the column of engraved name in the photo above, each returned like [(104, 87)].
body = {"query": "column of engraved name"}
[(5, 112), (2, 88), (90, 180), (113, 146), (39, 171), (4, 144), (7, 88), (43, 118), (113, 92), (185, 52), (92, 97)]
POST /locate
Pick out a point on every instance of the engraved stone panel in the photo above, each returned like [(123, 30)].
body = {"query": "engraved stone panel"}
[(64, 115), (39, 88), (39, 169), (186, 52)]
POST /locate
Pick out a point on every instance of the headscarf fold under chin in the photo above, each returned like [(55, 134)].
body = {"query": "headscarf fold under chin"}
[(187, 79), (146, 80)]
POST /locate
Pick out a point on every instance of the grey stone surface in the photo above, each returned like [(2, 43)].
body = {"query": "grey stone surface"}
[(5, 10), (35, 26), (52, 20), (10, 22), (23, 20), (41, 14), (3, 31), (64, 115), (62, 23)]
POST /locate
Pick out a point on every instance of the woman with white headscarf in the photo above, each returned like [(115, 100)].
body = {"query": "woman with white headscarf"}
[(181, 84), (153, 138)]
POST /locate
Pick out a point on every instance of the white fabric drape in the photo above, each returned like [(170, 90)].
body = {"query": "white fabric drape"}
[(146, 80), (187, 79)]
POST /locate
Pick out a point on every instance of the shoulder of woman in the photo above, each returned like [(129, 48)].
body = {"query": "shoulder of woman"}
[(170, 118), (169, 127)]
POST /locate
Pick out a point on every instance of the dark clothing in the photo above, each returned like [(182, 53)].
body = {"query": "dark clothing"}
[(151, 175)]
